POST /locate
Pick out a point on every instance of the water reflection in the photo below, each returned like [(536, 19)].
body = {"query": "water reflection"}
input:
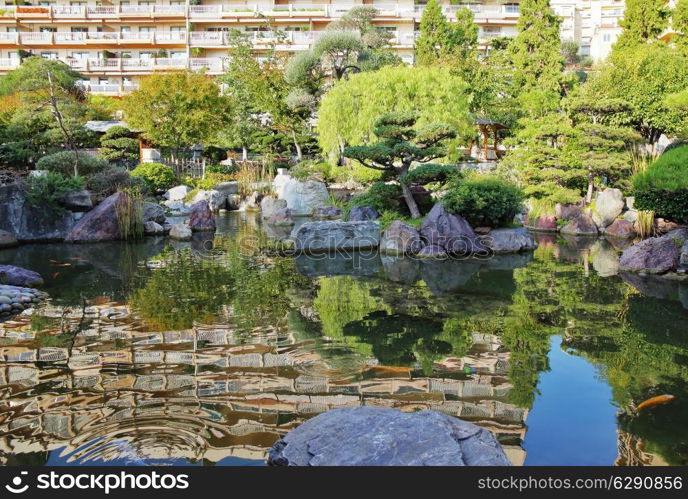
[(207, 354)]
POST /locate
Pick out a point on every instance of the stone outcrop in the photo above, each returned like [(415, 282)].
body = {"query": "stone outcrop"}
[(509, 241), (568, 211), (18, 276), (177, 193), (99, 224), (656, 255), (201, 217), (380, 436), (401, 239), (302, 197), (313, 237), (77, 201), (327, 212), (268, 206), (582, 225), (280, 217), (621, 228), (180, 232), (451, 233), (7, 240), (153, 212), (29, 223), (15, 299), (544, 223), (608, 206), (153, 229), (362, 213)]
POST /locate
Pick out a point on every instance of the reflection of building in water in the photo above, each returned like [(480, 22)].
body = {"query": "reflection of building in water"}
[(213, 392), (632, 452)]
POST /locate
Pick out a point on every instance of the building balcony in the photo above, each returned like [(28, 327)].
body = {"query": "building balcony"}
[(93, 37)]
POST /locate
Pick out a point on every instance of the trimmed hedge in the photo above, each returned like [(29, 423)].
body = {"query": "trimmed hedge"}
[(484, 201), (663, 188), (157, 176), (63, 162)]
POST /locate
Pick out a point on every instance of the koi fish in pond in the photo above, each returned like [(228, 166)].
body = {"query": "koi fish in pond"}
[(658, 400)]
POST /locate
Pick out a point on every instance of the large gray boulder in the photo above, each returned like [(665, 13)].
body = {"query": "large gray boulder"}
[(582, 225), (7, 240), (217, 200), (400, 239), (18, 276), (77, 201), (451, 233), (177, 193), (99, 224), (180, 232), (153, 212), (655, 255), (362, 213), (280, 217), (313, 237), (268, 206), (608, 206), (31, 223), (302, 197), (509, 241), (380, 436), (227, 188), (201, 217)]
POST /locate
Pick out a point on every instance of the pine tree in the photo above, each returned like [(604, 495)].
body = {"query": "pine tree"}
[(434, 35), (536, 50), (644, 20)]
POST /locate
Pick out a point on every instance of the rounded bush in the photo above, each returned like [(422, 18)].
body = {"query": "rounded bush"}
[(111, 180), (63, 162), (484, 202), (157, 176), (381, 196)]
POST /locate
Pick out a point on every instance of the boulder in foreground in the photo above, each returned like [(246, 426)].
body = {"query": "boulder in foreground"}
[(380, 436), (332, 235), (99, 224), (18, 276), (509, 240)]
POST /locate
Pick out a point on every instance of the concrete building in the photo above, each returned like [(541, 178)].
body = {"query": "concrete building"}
[(114, 43)]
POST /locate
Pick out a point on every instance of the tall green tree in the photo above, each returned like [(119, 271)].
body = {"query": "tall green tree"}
[(644, 21), (434, 35), (177, 110), (679, 21), (537, 58), (400, 145)]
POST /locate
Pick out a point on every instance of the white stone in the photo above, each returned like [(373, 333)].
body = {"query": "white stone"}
[(180, 232), (177, 193), (302, 197)]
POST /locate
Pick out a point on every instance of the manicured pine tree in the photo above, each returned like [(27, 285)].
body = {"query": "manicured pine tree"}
[(644, 21), (434, 35)]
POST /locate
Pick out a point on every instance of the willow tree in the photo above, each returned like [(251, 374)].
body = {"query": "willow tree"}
[(644, 21), (401, 146), (348, 112)]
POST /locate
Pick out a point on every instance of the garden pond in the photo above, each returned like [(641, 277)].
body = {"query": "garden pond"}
[(205, 353)]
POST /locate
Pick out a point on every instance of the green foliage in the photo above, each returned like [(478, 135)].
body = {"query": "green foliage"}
[(644, 21), (643, 77), (429, 173), (157, 176), (48, 190), (537, 57), (63, 162), (484, 201), (129, 210), (663, 188), (119, 146), (348, 112), (223, 169), (177, 110), (434, 35), (679, 19), (106, 182), (383, 197)]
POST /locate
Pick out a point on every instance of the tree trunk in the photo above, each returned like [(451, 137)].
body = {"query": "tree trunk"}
[(591, 186), (244, 153), (410, 201), (299, 154)]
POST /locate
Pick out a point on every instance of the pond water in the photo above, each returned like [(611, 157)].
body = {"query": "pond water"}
[(205, 353)]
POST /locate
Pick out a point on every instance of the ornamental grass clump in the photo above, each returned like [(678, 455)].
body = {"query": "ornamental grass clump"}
[(129, 209)]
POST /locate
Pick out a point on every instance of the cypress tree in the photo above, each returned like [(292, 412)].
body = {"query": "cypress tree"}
[(644, 20), (434, 35)]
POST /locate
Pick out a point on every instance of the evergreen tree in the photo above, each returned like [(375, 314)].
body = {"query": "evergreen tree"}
[(434, 35), (536, 52), (644, 20), (680, 24)]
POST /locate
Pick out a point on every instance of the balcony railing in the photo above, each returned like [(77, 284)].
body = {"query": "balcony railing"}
[(80, 38)]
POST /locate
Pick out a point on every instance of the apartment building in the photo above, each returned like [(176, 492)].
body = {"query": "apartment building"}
[(114, 43)]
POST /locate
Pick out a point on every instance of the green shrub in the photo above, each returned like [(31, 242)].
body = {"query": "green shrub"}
[(382, 197), (119, 146), (47, 191), (208, 182), (426, 174), (484, 201), (224, 169), (663, 188), (158, 177), (111, 180), (63, 162)]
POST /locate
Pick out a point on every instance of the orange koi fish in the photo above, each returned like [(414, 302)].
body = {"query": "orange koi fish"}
[(658, 400)]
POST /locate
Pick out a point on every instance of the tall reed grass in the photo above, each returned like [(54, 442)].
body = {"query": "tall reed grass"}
[(130, 213)]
